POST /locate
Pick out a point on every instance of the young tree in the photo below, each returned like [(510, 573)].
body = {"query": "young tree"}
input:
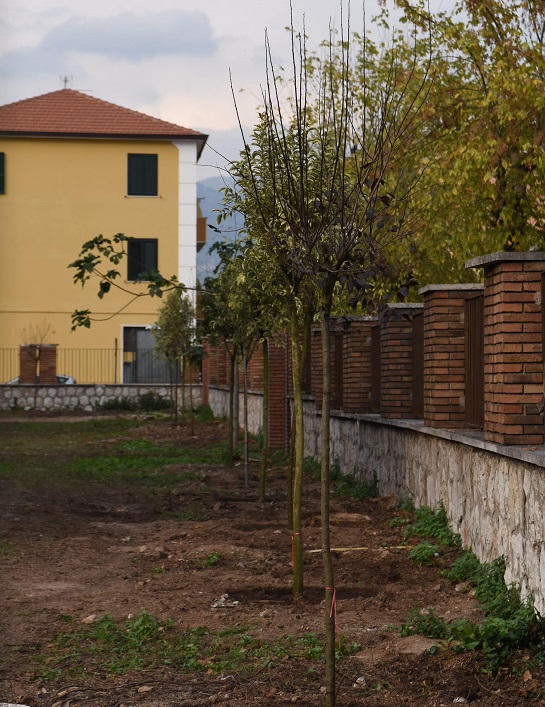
[(175, 333), (321, 191)]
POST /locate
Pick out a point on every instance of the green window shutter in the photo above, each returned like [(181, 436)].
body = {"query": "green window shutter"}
[(142, 175), (2, 172), (141, 257)]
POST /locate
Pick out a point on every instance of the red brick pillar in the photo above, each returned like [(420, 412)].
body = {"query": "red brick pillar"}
[(48, 364), (513, 350), (444, 353), (205, 373), (28, 363), (396, 367), (217, 367), (38, 360), (254, 370), (316, 367), (357, 364), (278, 410)]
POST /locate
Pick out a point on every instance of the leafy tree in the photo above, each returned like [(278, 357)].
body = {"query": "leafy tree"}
[(483, 131)]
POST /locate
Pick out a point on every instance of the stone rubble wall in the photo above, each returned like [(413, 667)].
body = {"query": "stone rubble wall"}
[(493, 495), (46, 398), (219, 403)]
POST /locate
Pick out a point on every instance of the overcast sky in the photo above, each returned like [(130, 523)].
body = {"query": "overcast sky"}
[(167, 58)]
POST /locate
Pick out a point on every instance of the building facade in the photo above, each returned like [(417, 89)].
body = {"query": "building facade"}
[(72, 167)]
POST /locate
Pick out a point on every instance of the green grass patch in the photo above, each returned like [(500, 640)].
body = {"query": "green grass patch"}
[(67, 452), (108, 647)]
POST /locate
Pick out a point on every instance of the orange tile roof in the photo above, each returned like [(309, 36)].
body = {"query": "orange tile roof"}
[(71, 113)]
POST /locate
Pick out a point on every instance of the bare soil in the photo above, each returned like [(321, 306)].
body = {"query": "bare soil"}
[(90, 549)]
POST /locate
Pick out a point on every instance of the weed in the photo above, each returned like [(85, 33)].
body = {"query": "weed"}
[(204, 414), (463, 569), (151, 402), (510, 624), (433, 525), (312, 466), (212, 560), (147, 402), (145, 642), (425, 553), (405, 504), (360, 490), (346, 485)]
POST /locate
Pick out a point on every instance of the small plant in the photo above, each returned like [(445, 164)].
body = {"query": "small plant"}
[(360, 490), (212, 560), (510, 624), (312, 466), (151, 402), (144, 642), (425, 553), (432, 525), (463, 569), (204, 414), (122, 404), (147, 402)]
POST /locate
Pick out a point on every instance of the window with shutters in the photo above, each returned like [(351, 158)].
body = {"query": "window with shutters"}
[(141, 257), (142, 175)]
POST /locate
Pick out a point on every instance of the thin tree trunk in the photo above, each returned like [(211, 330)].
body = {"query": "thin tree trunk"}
[(230, 446), (191, 416), (289, 480), (297, 530), (265, 449), (236, 406), (245, 414), (330, 591), (183, 387)]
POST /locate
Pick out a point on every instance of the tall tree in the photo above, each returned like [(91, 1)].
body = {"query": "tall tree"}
[(321, 191), (483, 131)]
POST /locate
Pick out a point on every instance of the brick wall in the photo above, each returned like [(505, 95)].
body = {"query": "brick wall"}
[(38, 360), (278, 383), (444, 354), (357, 365), (513, 351), (396, 367), (513, 357)]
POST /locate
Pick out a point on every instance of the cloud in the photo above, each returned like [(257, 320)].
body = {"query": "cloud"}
[(131, 36), (127, 36)]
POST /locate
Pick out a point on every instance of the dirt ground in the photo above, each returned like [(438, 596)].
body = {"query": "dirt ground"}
[(92, 549)]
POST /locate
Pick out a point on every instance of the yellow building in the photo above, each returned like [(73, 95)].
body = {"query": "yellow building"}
[(73, 167)]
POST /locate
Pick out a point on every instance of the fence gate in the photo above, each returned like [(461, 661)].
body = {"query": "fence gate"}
[(474, 361)]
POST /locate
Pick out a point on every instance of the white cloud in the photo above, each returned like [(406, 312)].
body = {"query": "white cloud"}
[(134, 36)]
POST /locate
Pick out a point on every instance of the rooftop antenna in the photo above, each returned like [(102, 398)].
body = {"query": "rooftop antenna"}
[(66, 80)]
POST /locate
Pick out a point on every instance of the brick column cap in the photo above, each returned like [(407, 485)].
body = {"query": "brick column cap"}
[(460, 287), (505, 256)]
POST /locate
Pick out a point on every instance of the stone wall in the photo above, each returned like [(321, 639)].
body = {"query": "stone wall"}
[(80, 397), (218, 398), (493, 494)]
